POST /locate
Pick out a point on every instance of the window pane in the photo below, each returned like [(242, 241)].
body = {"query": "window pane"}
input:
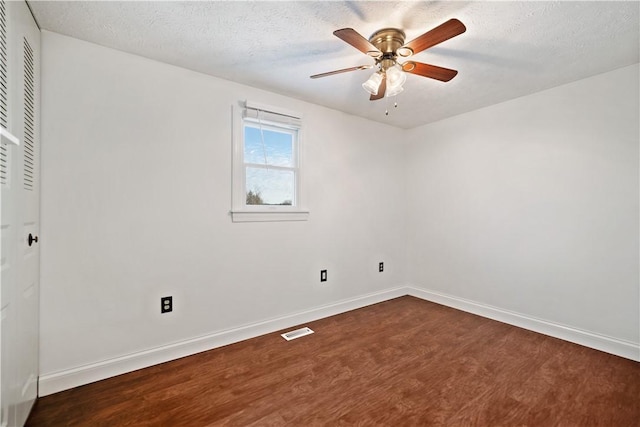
[(270, 187), (277, 147)]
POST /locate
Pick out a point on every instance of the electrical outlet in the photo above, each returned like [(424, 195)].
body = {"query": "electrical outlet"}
[(166, 304), (323, 275), (381, 267)]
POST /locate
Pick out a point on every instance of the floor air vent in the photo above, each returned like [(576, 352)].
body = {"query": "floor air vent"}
[(296, 334)]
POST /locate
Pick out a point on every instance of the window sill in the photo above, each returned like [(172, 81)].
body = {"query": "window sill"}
[(267, 216)]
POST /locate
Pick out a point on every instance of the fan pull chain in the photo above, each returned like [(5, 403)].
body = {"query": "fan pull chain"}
[(386, 112)]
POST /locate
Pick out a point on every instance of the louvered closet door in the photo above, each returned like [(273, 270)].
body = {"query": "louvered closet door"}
[(29, 253), (7, 230), (20, 220)]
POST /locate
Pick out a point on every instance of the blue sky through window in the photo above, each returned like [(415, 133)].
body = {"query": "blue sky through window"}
[(275, 186), (277, 145)]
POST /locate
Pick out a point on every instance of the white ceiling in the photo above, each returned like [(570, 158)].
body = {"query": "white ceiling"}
[(510, 49)]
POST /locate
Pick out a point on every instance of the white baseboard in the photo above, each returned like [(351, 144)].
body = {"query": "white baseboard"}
[(64, 380), (604, 343)]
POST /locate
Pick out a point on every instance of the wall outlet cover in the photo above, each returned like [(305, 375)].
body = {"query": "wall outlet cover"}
[(166, 304)]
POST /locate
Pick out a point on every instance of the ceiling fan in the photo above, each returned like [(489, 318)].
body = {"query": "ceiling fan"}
[(386, 46)]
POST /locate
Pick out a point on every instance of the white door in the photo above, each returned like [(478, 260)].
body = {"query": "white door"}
[(8, 233), (28, 265), (20, 220)]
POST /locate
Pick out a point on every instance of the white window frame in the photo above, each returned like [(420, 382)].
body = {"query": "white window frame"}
[(271, 117)]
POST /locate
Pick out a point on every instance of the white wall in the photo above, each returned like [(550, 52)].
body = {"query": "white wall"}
[(531, 205), (135, 198)]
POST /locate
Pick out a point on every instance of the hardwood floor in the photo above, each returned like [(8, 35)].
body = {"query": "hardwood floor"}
[(399, 363)]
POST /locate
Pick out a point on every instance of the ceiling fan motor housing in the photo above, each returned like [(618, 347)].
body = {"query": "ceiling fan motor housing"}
[(388, 40)]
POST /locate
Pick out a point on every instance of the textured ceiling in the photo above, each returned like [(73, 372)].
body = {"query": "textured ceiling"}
[(510, 49)]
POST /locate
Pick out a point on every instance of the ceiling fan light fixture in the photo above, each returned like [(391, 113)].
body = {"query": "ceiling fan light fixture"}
[(395, 77), (373, 83), (393, 91)]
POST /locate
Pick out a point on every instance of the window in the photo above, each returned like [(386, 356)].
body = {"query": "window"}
[(266, 165), (270, 164)]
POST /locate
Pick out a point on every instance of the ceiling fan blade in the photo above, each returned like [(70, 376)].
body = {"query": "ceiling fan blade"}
[(443, 32), (427, 70), (344, 70), (354, 38), (381, 90)]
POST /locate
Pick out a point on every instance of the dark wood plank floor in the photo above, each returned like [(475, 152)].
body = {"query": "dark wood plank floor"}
[(398, 363)]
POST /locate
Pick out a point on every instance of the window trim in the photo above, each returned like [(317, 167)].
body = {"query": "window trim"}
[(240, 211)]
